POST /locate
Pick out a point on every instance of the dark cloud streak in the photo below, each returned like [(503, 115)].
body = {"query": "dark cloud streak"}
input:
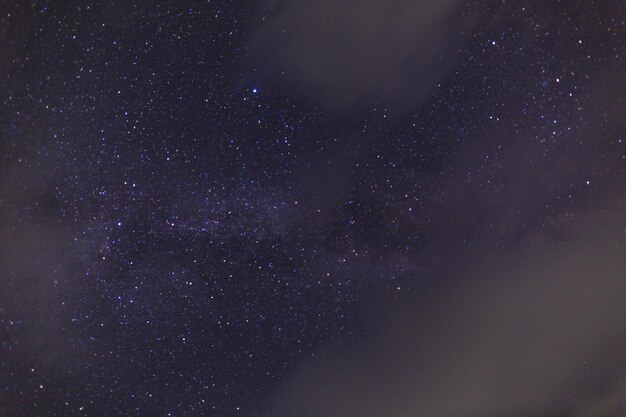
[(349, 51)]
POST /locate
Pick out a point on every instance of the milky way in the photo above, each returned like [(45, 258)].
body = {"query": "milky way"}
[(240, 208)]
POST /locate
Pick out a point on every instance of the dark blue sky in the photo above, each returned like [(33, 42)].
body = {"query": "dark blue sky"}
[(199, 199)]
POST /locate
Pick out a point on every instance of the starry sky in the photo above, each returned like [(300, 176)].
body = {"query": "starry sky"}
[(294, 208)]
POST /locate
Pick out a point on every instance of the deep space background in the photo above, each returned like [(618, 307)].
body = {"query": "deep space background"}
[(296, 208)]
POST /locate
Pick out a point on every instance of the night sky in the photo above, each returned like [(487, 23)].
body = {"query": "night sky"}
[(298, 208)]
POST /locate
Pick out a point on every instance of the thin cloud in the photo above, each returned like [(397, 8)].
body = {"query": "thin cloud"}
[(348, 50)]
